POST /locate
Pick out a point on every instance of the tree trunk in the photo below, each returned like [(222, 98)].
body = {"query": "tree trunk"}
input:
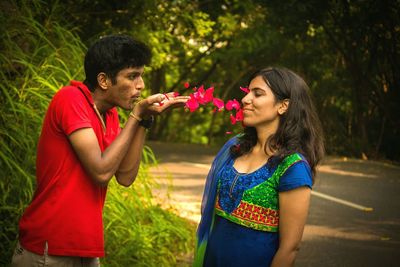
[(157, 86)]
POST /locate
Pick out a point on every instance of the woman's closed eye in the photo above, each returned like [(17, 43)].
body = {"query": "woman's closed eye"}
[(258, 92)]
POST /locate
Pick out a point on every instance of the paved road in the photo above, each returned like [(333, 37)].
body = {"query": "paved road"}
[(339, 231)]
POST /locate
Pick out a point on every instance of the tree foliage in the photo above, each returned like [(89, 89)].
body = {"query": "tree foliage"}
[(358, 42), (347, 51)]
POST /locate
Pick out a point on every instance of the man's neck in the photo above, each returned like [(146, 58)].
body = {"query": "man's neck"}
[(99, 99)]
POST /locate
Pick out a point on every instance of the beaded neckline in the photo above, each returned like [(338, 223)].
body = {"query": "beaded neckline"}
[(265, 165)]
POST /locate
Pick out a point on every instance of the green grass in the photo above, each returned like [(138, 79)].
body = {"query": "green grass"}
[(141, 233)]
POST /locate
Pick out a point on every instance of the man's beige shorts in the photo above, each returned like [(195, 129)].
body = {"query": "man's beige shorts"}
[(25, 258)]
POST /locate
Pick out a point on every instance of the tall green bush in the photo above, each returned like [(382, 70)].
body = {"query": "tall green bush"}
[(38, 57), (36, 61)]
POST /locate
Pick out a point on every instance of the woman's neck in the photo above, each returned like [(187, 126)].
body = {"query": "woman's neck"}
[(263, 134)]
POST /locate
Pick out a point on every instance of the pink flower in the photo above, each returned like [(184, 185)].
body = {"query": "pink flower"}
[(186, 85), (204, 96), (200, 96), (245, 89), (199, 93), (192, 103), (208, 95), (219, 103), (232, 104), (239, 115)]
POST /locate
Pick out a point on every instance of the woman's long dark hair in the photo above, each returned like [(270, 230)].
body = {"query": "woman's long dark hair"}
[(299, 128)]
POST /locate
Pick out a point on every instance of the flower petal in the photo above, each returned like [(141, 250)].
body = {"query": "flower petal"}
[(192, 103), (232, 104), (208, 95), (219, 103), (245, 89), (239, 115), (236, 104), (228, 105), (233, 119)]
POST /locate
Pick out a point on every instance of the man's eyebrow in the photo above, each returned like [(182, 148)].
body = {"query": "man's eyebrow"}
[(135, 72)]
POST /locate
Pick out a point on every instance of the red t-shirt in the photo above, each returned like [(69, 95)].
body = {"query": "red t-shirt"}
[(66, 210)]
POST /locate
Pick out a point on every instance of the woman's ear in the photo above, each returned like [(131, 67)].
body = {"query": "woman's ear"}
[(102, 80), (283, 107)]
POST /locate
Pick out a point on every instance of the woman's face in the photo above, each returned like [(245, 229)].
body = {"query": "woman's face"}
[(260, 107)]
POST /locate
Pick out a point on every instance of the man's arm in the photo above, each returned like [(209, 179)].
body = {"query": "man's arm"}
[(129, 166), (102, 166)]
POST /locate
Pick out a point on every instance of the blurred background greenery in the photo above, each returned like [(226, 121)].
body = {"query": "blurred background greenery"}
[(347, 51)]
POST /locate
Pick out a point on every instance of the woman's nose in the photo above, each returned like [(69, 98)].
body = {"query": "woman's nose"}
[(246, 99)]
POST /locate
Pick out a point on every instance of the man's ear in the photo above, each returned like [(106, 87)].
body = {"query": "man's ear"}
[(283, 107), (103, 80)]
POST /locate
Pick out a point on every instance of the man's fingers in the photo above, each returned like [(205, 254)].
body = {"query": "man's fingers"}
[(157, 98), (158, 108), (174, 100), (177, 101), (183, 97), (159, 103), (165, 98)]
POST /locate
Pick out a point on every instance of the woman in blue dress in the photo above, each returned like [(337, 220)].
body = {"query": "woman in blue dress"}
[(257, 192)]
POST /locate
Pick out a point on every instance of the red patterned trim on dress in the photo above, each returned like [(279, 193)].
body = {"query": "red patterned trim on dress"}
[(252, 216)]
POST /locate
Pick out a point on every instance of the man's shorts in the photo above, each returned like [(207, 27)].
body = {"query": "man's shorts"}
[(25, 258)]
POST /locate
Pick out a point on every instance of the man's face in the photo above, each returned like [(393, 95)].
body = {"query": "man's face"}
[(128, 87)]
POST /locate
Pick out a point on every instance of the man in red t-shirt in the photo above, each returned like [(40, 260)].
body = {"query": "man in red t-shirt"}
[(81, 148)]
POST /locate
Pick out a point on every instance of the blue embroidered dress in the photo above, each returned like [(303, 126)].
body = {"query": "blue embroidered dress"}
[(244, 230)]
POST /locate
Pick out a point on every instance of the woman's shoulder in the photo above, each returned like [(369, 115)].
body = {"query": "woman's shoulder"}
[(224, 152), (292, 163), (296, 172), (294, 158), (232, 141)]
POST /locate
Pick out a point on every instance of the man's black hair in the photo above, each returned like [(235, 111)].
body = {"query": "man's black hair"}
[(111, 54)]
